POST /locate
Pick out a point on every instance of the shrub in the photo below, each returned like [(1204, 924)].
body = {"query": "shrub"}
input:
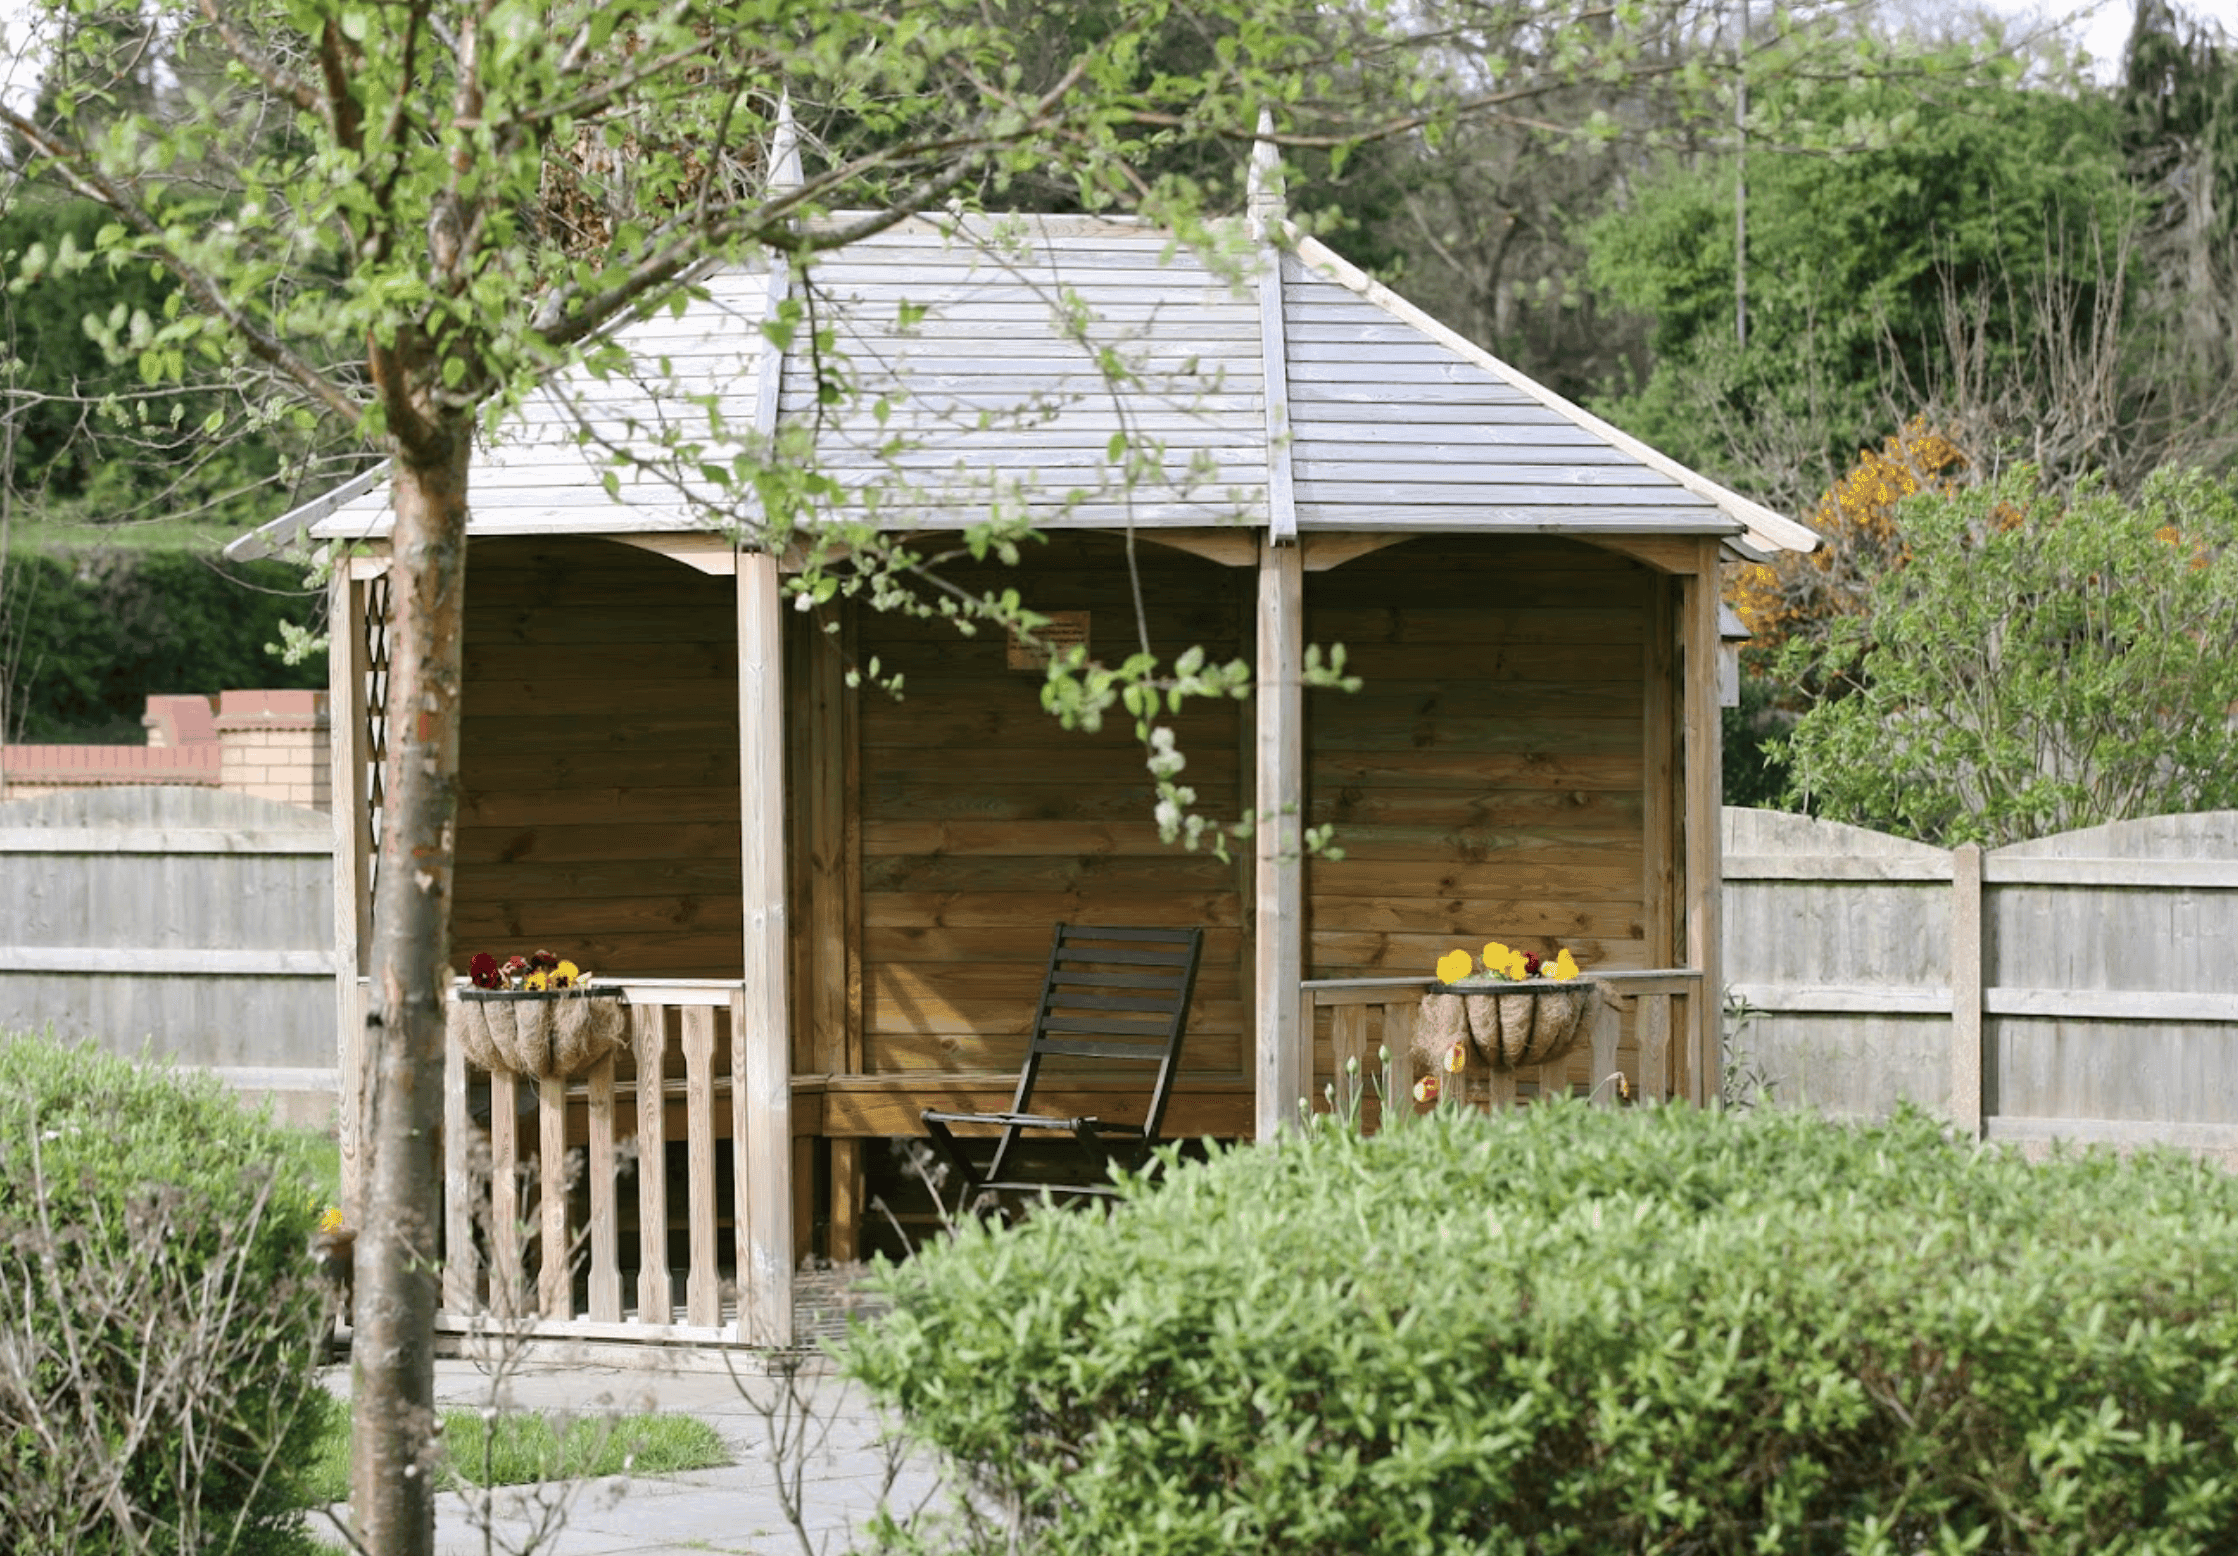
[(2030, 662), (162, 1325), (1565, 1330)]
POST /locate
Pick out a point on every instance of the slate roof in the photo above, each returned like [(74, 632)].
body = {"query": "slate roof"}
[(996, 364)]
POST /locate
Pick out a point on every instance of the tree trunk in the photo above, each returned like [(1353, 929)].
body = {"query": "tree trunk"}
[(392, 1492)]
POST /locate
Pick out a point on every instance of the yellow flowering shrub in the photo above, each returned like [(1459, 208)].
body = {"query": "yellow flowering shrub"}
[(1857, 518)]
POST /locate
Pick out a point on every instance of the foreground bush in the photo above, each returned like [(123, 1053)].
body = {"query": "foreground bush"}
[(161, 1324), (1562, 1330)]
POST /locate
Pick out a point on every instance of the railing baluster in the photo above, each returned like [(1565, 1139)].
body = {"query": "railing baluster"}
[(1348, 1045), (1604, 1055), (555, 1283), (606, 1271), (649, 1032), (1657, 1001), (1551, 1078), (1398, 1063), (703, 1297), (505, 1199), (458, 1186), (1655, 1047)]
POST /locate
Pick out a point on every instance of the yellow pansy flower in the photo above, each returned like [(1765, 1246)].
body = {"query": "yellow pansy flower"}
[(1565, 966), (1454, 966)]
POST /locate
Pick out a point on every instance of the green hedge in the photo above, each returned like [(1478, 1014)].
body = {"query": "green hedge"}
[(103, 629), (1569, 1330), (162, 1323)]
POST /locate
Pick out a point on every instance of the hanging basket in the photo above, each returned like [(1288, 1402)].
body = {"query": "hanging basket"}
[(547, 1032), (1514, 1025), (1440, 1024)]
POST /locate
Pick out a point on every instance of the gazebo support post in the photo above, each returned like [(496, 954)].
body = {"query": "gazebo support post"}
[(1284, 1071), (345, 700), (1705, 774), (761, 1044)]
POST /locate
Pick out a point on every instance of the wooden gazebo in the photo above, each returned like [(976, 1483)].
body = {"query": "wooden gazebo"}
[(830, 907)]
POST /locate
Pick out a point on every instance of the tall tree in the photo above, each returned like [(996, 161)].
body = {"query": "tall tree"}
[(2179, 105), (476, 190), (1482, 225), (1895, 222)]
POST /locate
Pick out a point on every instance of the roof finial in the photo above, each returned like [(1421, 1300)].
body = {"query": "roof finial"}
[(1263, 183), (784, 149)]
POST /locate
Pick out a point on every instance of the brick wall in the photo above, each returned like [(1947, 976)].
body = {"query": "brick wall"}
[(275, 746), (272, 744), (27, 772)]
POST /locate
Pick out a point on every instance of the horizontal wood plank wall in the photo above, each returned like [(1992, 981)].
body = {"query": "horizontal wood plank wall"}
[(983, 822), (1486, 781), (599, 761)]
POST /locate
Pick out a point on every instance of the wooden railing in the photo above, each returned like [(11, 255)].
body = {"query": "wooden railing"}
[(1371, 1014), (535, 1235)]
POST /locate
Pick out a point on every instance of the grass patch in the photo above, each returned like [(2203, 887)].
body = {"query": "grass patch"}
[(528, 1446), (61, 534)]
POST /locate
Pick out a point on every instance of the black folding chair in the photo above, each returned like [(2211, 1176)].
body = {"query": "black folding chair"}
[(1111, 997)]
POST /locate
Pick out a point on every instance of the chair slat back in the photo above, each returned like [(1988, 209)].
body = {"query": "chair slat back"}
[(1115, 994)]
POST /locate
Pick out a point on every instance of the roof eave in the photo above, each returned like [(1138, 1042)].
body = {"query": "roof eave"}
[(300, 524)]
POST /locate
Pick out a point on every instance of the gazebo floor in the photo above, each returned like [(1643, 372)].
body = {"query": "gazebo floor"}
[(826, 1299)]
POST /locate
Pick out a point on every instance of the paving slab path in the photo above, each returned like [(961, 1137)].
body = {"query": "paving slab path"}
[(833, 1435)]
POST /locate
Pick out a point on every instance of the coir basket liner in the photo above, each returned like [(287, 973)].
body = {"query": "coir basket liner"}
[(550, 1032), (1512, 1025)]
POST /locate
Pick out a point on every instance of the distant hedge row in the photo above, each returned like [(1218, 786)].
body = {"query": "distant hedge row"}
[(1565, 1330), (103, 629)]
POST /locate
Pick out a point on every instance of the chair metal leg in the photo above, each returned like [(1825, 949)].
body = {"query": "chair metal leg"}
[(952, 1154)]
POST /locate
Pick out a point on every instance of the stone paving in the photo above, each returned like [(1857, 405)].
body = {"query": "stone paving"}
[(844, 1469)]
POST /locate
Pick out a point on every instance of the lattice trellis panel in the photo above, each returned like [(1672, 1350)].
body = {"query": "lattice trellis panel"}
[(375, 628)]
